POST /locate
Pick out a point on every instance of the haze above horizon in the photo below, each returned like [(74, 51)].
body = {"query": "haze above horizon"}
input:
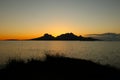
[(25, 19)]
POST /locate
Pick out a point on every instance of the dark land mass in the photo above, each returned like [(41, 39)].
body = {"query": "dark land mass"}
[(58, 68), (67, 36)]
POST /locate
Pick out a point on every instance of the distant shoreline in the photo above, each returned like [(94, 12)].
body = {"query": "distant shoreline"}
[(63, 40)]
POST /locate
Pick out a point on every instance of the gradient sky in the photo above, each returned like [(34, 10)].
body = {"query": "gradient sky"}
[(24, 19)]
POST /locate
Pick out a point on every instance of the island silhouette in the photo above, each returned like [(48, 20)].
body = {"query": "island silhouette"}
[(66, 36)]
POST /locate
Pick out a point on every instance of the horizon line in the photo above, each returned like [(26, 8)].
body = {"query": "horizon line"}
[(84, 35)]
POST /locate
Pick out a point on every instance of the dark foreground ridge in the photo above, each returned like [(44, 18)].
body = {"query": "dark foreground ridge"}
[(58, 68)]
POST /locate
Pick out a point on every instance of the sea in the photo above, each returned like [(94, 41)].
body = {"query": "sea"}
[(103, 52)]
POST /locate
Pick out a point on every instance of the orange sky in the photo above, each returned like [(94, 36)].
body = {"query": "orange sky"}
[(25, 19)]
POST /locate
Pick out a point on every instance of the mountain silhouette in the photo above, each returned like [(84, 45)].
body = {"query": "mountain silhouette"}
[(45, 37), (66, 36)]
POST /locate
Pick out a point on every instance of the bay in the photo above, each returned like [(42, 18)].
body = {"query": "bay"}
[(103, 52)]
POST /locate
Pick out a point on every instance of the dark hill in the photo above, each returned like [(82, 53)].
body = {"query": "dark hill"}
[(45, 37), (66, 36), (58, 68)]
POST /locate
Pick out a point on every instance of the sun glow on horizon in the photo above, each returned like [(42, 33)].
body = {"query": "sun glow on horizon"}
[(28, 19), (30, 36)]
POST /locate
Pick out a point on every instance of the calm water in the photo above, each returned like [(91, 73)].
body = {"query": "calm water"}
[(102, 52)]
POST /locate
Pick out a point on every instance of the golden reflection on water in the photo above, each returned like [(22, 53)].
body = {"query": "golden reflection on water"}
[(103, 52)]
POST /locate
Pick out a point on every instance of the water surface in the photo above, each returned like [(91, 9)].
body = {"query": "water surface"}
[(104, 52)]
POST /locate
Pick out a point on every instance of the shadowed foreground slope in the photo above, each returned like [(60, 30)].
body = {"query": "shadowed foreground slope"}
[(58, 68)]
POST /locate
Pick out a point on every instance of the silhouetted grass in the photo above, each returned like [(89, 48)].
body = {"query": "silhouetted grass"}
[(58, 68)]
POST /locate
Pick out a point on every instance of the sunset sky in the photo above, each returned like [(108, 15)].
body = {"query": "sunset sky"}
[(24, 19)]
